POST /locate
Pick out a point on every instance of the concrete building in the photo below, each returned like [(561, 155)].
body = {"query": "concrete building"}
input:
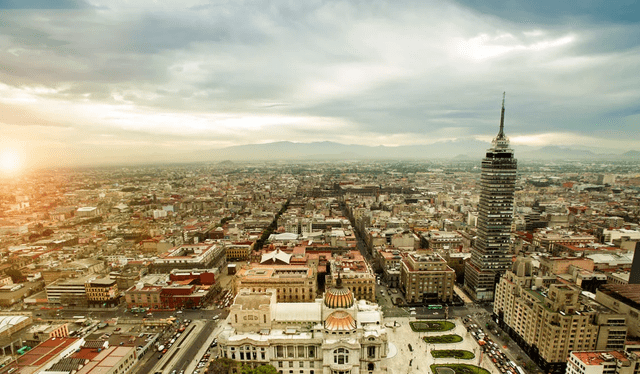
[(442, 240), (237, 252), (426, 279), (292, 283), (551, 240), (355, 273), (71, 292), (333, 335), (624, 299), (11, 330), (491, 254), (390, 262), (102, 292), (560, 265), (142, 296), (189, 256), (43, 356), (602, 362), (549, 322)]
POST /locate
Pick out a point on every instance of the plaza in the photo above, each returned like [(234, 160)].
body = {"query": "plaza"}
[(410, 354)]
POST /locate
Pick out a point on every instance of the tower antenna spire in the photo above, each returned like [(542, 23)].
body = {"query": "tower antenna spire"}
[(501, 133)]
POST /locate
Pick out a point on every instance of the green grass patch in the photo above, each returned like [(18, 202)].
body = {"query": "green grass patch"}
[(443, 339), (430, 326), (453, 353), (460, 369)]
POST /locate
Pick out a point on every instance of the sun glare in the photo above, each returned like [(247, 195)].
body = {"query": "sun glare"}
[(9, 162)]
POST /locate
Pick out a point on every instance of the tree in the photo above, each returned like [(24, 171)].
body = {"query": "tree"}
[(221, 365), (16, 275), (262, 369)]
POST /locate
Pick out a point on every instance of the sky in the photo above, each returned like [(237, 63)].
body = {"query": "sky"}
[(92, 82)]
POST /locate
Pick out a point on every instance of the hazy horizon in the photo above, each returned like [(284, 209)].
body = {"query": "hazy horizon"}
[(106, 82)]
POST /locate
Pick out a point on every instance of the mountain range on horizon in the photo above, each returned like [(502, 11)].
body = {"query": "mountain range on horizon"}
[(459, 150)]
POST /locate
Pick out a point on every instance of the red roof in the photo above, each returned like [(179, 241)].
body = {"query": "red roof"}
[(45, 351)]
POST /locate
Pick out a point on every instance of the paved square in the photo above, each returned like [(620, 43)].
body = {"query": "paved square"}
[(402, 360)]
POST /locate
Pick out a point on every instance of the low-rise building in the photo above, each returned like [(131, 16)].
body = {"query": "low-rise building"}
[(69, 292), (602, 362), (237, 252), (356, 275), (143, 296), (102, 292), (442, 240), (189, 256), (292, 283)]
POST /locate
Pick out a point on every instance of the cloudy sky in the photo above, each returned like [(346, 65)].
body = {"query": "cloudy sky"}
[(84, 81)]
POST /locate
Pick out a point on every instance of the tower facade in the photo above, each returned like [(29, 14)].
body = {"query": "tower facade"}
[(491, 254)]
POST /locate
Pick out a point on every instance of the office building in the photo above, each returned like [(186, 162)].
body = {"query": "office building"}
[(491, 255), (426, 278)]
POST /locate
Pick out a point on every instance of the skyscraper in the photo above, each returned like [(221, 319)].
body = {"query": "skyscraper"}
[(491, 255)]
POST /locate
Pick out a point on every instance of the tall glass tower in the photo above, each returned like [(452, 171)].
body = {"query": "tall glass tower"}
[(491, 253)]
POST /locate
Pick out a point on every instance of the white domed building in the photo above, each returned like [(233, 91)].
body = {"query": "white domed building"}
[(333, 335)]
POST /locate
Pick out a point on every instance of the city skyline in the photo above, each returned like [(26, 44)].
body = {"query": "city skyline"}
[(94, 82)]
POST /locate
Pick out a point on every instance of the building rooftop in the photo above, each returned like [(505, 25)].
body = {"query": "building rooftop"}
[(597, 358), (627, 293)]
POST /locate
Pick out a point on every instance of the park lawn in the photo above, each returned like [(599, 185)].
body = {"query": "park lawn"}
[(430, 326), (453, 353), (443, 339), (461, 368)]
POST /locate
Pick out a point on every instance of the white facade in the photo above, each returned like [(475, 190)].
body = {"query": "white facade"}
[(305, 338)]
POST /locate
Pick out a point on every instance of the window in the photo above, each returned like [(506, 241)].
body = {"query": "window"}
[(340, 356)]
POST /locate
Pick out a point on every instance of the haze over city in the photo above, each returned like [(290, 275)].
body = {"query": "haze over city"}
[(113, 82)]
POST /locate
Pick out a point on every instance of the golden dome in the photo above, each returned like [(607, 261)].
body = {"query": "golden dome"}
[(340, 321), (339, 297)]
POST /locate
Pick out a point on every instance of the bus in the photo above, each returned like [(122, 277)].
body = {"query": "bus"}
[(435, 306)]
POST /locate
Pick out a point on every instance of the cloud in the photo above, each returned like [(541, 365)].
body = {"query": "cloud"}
[(225, 73)]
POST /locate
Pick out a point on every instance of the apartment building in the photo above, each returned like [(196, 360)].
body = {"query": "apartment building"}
[(549, 322), (426, 278)]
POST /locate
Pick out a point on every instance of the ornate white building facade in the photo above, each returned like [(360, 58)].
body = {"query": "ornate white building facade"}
[(333, 335)]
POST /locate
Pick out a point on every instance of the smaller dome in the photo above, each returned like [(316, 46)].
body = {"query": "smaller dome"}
[(340, 321), (338, 298)]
